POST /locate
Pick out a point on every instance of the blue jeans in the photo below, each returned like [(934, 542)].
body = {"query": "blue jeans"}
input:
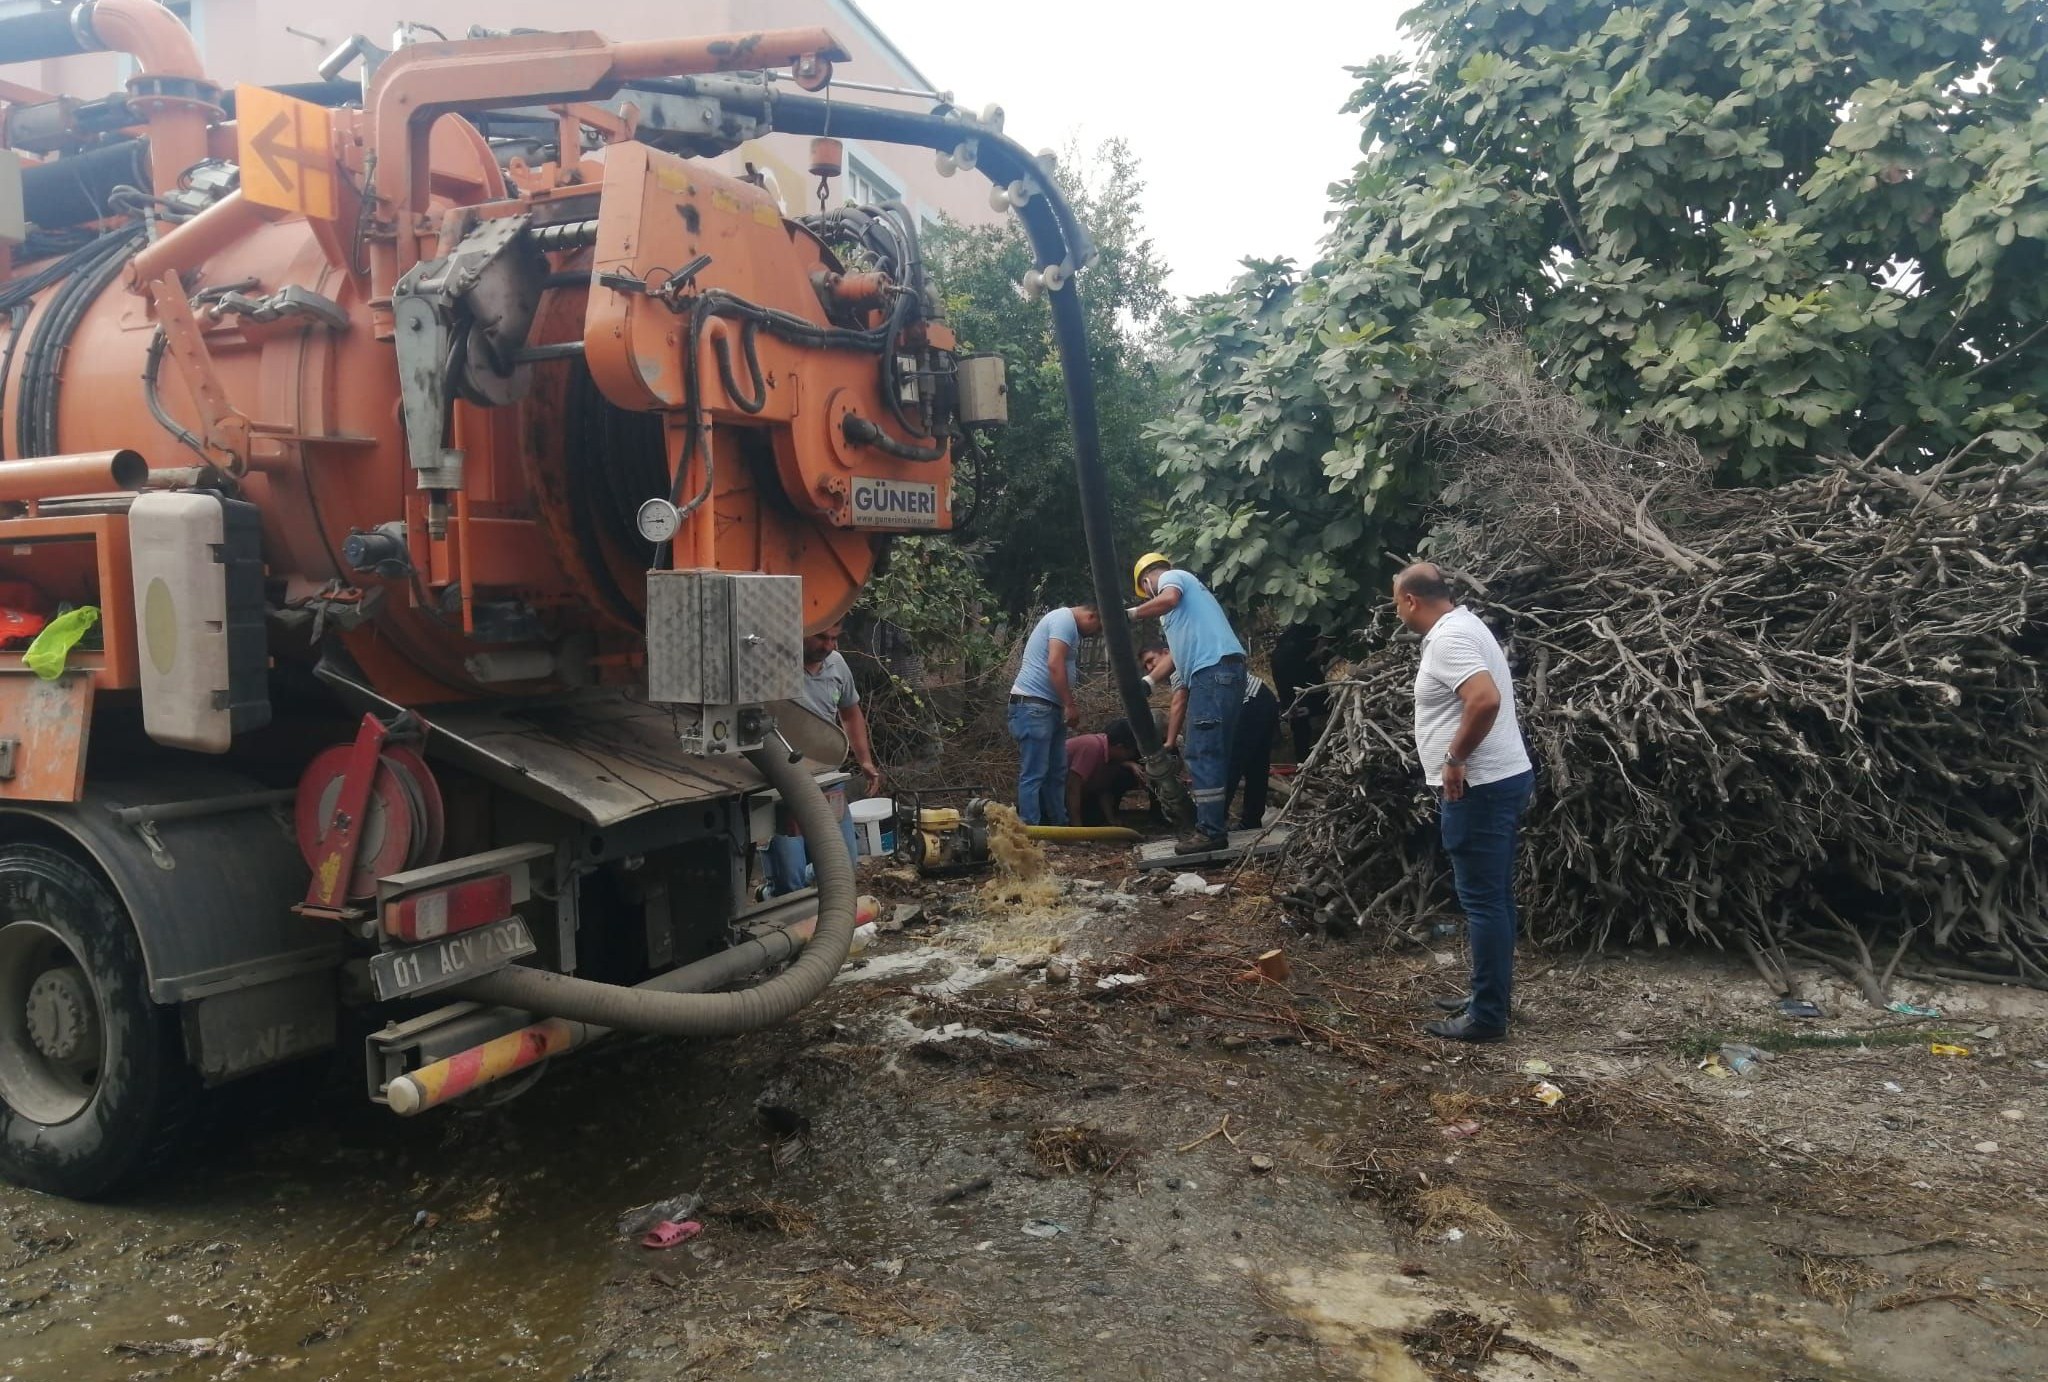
[(1480, 831), (1215, 698), (789, 862), (1040, 729)]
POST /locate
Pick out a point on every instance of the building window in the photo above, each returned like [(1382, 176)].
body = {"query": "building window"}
[(866, 187)]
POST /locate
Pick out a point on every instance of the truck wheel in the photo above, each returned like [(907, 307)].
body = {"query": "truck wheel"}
[(95, 1092)]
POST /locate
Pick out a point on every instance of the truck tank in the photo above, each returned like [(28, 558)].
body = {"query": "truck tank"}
[(453, 463)]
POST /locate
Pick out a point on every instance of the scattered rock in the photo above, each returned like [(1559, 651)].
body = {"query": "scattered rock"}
[(960, 1192), (1232, 1042), (1987, 1147), (987, 961), (1261, 1163), (1031, 964), (1058, 971), (1162, 1013), (2013, 1115)]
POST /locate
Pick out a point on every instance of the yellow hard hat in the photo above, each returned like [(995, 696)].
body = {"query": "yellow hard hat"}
[(1150, 559)]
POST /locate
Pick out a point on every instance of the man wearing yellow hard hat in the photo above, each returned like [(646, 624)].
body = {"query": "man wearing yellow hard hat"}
[(1211, 663)]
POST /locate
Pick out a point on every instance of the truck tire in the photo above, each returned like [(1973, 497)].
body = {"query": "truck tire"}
[(95, 1090)]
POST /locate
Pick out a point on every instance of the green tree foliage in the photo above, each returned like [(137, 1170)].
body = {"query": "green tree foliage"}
[(1027, 530), (1778, 228)]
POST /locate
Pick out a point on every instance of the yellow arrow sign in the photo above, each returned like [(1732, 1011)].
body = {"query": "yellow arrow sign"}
[(286, 151)]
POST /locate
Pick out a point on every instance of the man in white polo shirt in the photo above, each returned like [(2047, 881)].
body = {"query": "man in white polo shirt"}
[(1470, 745)]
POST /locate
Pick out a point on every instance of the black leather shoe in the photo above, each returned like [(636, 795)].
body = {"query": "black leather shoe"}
[(1463, 1029), (1453, 1006)]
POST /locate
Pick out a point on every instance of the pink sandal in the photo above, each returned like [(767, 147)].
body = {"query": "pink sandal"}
[(668, 1233)]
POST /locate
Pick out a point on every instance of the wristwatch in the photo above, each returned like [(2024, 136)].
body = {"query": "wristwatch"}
[(1451, 760)]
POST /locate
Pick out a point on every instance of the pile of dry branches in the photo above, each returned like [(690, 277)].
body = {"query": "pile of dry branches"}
[(1806, 721)]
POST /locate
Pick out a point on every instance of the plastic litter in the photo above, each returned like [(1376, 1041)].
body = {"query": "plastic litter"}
[(641, 1218), (1799, 1007), (1463, 1128), (1905, 1009), (668, 1233), (1547, 1094), (1537, 1067), (1894, 1087), (1192, 884), (1043, 1228), (1118, 981), (1742, 1059), (46, 655), (1942, 1048), (863, 937)]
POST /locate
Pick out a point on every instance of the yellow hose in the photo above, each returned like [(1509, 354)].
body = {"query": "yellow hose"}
[(1081, 834)]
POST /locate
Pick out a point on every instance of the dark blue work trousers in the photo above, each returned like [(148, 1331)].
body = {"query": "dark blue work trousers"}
[(1480, 831)]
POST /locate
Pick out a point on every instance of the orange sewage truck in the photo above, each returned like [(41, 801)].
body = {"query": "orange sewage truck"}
[(414, 491)]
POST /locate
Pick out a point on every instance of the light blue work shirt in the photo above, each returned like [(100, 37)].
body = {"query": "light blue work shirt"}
[(1198, 632), (1034, 678)]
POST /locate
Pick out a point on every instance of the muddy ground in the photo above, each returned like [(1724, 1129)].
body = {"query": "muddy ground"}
[(973, 1160)]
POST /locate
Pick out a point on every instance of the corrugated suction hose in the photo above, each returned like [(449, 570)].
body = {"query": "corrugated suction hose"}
[(649, 1010)]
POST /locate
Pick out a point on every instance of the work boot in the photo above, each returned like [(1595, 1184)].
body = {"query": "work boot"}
[(1197, 842), (1463, 1029)]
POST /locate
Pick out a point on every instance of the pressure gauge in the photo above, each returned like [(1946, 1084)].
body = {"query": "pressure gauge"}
[(658, 520)]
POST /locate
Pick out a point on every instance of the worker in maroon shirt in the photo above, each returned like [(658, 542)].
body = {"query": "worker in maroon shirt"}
[(1099, 772)]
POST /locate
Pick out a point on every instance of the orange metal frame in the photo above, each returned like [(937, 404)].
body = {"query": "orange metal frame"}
[(82, 559)]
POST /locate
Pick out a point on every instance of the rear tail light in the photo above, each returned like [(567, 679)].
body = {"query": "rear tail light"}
[(463, 906)]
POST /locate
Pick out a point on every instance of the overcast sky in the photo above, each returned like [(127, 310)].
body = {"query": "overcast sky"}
[(1232, 108)]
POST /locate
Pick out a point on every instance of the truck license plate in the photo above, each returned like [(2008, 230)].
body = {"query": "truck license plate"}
[(437, 964)]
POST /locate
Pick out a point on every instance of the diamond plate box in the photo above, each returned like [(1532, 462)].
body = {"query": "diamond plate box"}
[(720, 638)]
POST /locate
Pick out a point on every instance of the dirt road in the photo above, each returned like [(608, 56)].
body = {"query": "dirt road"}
[(959, 1165)]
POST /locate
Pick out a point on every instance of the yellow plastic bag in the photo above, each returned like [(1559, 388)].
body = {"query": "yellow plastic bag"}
[(45, 657), (1942, 1048)]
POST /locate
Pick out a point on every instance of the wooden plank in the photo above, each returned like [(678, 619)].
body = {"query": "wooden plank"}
[(44, 726), (1243, 844)]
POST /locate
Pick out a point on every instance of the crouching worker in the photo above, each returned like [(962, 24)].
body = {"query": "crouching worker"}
[(829, 694), (1100, 769)]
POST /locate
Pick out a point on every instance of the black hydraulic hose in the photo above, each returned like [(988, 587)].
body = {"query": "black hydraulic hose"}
[(152, 365), (748, 330), (17, 318), (864, 432), (648, 1009), (42, 369)]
